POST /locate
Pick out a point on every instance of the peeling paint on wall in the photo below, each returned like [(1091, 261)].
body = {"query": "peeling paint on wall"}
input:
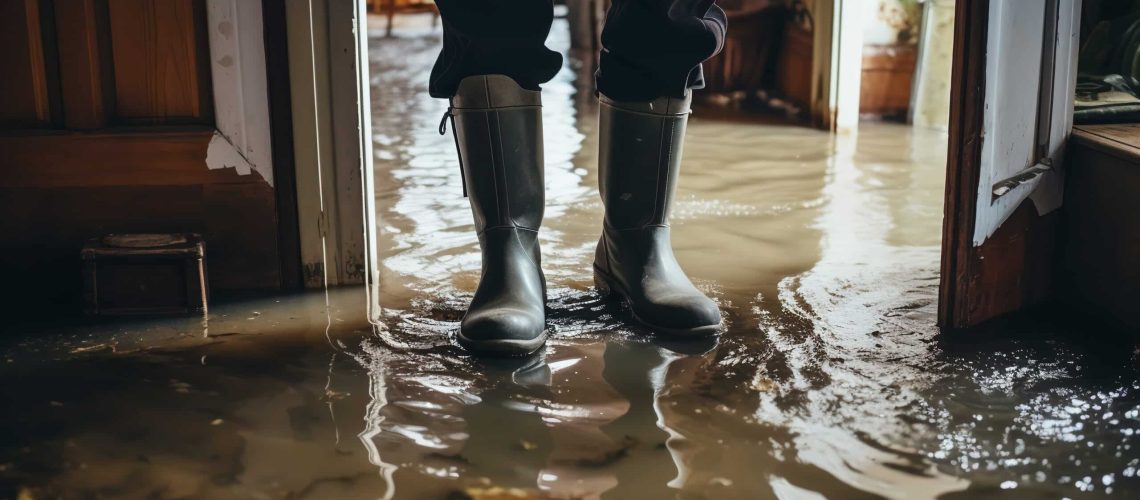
[(222, 154)]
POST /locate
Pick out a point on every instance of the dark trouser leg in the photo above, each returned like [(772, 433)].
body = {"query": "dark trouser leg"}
[(650, 60), (494, 37), (653, 48)]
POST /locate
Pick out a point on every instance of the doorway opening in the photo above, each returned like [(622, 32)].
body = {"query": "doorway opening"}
[(822, 248), (759, 181), (814, 224)]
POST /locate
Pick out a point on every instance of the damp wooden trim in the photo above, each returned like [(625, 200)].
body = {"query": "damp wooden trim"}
[(1016, 266), (967, 99), (110, 158)]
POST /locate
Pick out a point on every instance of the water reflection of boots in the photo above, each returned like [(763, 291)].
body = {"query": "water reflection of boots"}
[(581, 403), (638, 165), (498, 132), (671, 381), (508, 440), (415, 429), (434, 424)]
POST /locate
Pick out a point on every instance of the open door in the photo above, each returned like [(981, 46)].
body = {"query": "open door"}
[(1010, 119)]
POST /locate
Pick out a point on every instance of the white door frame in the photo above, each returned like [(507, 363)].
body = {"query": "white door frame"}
[(328, 73), (837, 63), (1011, 168)]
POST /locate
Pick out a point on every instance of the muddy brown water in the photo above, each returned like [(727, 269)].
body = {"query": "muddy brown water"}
[(831, 381)]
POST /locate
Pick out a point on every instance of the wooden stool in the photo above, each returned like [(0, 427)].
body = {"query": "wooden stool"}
[(130, 274)]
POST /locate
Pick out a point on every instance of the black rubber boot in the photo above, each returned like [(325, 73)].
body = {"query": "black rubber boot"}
[(638, 164), (498, 132)]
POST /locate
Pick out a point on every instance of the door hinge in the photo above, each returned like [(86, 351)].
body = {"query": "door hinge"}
[(323, 224)]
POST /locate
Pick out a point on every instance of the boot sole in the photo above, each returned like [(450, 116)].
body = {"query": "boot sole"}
[(609, 287), (504, 347)]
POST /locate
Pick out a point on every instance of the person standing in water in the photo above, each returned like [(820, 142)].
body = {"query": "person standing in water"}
[(492, 65)]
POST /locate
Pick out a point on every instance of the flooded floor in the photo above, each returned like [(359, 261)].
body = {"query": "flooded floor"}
[(831, 381)]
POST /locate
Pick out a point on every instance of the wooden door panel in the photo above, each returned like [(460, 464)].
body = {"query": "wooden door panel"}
[(84, 63), (106, 116), (143, 158), (23, 87), (159, 52)]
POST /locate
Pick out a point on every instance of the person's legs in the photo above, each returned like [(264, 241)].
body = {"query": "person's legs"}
[(491, 66), (652, 50), (494, 37)]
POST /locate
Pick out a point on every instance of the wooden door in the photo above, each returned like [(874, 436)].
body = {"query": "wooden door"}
[(106, 114), (1010, 119)]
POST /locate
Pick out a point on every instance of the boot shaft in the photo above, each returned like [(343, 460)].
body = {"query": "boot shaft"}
[(498, 130), (640, 158)]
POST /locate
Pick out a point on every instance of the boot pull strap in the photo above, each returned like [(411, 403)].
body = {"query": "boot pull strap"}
[(448, 115)]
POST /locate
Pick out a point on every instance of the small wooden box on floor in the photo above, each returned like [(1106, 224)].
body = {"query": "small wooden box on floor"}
[(144, 274)]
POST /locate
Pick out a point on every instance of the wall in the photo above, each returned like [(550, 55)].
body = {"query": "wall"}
[(931, 100)]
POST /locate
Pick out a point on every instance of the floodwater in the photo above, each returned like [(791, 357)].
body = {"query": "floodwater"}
[(831, 380)]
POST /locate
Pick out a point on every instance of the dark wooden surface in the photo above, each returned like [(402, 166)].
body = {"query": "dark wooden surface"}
[(109, 158), (168, 279), (85, 77), (967, 96), (110, 134), (793, 73), (1014, 268), (23, 87), (746, 62), (888, 73), (281, 123), (1100, 269), (161, 69), (68, 187), (44, 229), (1119, 140)]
